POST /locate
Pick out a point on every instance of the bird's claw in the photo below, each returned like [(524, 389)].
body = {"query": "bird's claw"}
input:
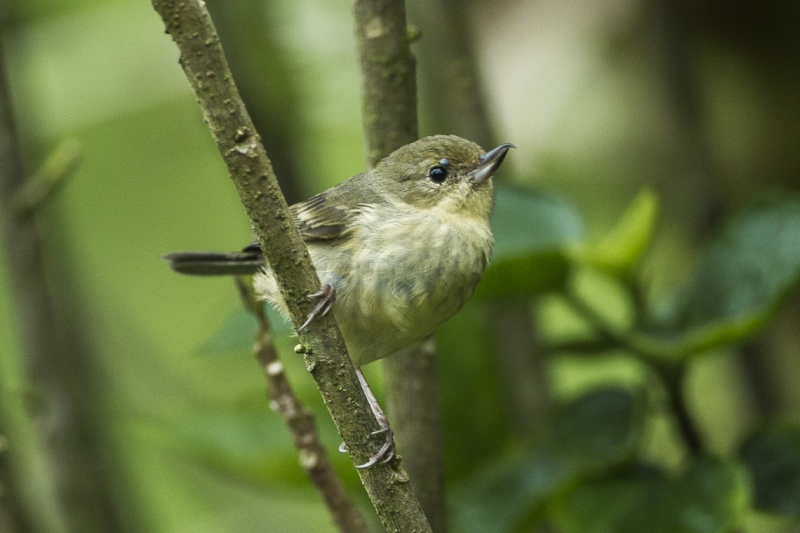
[(384, 455), (327, 296), (387, 451)]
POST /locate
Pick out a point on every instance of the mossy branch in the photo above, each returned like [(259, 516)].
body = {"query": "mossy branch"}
[(203, 61)]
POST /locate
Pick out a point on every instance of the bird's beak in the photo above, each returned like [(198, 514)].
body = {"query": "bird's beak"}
[(489, 163)]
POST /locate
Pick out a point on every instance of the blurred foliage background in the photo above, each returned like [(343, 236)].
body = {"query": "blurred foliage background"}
[(695, 101)]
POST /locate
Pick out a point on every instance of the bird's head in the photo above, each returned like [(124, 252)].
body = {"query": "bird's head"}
[(445, 173)]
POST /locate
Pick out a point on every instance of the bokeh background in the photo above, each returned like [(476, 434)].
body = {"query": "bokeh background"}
[(698, 100)]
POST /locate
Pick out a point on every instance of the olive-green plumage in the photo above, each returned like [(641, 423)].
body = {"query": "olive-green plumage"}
[(403, 245)]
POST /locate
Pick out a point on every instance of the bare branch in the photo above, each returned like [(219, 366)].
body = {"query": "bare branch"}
[(388, 77)]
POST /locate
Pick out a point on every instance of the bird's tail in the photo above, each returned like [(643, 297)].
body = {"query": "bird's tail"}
[(248, 261)]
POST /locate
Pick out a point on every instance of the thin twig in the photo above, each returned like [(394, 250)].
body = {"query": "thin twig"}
[(59, 166), (325, 354), (674, 378), (313, 457)]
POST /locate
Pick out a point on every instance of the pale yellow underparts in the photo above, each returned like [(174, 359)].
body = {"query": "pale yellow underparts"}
[(400, 272)]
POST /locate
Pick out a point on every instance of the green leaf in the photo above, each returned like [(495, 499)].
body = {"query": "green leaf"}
[(532, 234), (745, 275), (600, 430), (526, 221), (710, 498), (622, 248), (773, 457), (502, 496)]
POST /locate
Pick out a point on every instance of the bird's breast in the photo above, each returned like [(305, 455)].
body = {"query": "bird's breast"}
[(408, 272)]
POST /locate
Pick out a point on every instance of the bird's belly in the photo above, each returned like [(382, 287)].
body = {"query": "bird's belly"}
[(393, 296), (388, 295)]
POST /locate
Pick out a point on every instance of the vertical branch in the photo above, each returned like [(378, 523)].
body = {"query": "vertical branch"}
[(28, 483), (30, 479), (521, 364), (29, 499), (56, 471), (388, 77), (325, 354), (313, 457), (412, 390), (674, 50), (389, 108), (449, 83)]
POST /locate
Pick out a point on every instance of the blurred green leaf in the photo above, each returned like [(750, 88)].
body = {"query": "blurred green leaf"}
[(710, 498), (773, 456), (598, 431), (600, 428), (504, 495), (745, 275), (532, 233), (525, 220), (237, 333), (622, 248)]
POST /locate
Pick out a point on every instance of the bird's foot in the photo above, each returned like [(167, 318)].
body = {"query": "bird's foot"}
[(327, 296), (386, 453)]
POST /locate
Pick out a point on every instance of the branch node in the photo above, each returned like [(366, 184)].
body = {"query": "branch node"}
[(309, 460), (302, 349), (275, 368)]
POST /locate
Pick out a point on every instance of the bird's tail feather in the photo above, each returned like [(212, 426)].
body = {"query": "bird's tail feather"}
[(248, 261)]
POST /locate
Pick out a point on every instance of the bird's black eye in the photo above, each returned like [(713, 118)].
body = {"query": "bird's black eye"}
[(438, 174)]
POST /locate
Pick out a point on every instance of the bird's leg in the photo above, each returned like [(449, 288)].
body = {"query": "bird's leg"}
[(387, 451), (327, 296)]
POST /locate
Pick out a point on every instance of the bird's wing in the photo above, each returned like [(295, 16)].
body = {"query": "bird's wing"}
[(330, 214), (321, 217)]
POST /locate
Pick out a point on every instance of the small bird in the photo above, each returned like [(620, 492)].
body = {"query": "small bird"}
[(398, 250)]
